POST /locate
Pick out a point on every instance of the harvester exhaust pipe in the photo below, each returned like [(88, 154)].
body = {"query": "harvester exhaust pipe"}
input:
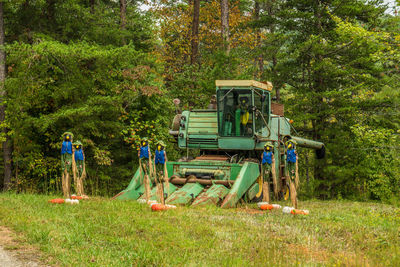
[(302, 142)]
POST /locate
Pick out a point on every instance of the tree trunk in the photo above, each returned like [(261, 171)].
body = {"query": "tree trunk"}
[(225, 25), (50, 12), (277, 88), (271, 8), (318, 123), (195, 32), (258, 38), (259, 59), (91, 4), (6, 144), (122, 13)]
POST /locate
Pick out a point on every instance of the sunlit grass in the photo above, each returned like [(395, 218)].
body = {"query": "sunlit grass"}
[(101, 232)]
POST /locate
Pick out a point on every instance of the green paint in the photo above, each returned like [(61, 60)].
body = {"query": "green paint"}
[(252, 192), (212, 196), (202, 130), (307, 143), (237, 122), (135, 182), (133, 191), (131, 194), (241, 143), (246, 178), (186, 194)]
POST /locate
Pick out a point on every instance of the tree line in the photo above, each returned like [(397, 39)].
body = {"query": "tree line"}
[(108, 71)]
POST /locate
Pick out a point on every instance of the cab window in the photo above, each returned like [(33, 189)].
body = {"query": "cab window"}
[(235, 112), (261, 101)]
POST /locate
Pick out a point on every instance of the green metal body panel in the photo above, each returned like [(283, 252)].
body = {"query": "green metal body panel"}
[(199, 130), (132, 194), (185, 195), (169, 190), (135, 182), (134, 189), (170, 168), (246, 178), (252, 192), (233, 143), (212, 196)]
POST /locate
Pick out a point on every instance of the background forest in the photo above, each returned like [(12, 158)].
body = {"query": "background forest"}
[(107, 70)]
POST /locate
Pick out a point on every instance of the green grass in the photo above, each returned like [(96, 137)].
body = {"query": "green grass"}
[(101, 232)]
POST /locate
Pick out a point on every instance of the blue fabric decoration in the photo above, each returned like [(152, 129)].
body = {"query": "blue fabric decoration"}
[(144, 152), (159, 157), (291, 156), (267, 157), (66, 147), (78, 154)]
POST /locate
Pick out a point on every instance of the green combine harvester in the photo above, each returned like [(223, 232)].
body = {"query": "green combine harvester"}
[(230, 136)]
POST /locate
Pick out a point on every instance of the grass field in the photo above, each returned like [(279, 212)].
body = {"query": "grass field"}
[(101, 232)]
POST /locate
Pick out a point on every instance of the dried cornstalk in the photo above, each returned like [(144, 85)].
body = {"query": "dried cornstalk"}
[(274, 180), (297, 180)]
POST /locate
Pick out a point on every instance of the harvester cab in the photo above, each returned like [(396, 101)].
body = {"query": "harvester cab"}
[(230, 137)]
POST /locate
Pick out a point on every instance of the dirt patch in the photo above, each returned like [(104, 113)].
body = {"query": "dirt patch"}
[(322, 255), (5, 236), (13, 253), (316, 255), (251, 211)]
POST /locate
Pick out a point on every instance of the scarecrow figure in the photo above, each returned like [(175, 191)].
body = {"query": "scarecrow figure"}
[(291, 159), (160, 160), (79, 168), (242, 116), (268, 170), (66, 162), (145, 165)]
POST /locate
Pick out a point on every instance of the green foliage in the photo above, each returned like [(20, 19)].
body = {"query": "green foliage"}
[(379, 162), (140, 127), (199, 80), (86, 89), (335, 62), (76, 20)]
